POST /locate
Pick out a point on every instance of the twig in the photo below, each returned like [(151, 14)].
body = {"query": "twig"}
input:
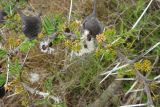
[(116, 40), (51, 37), (109, 73), (17, 48), (12, 95), (142, 15), (136, 23), (26, 57), (137, 90), (157, 77), (146, 88), (125, 79), (135, 105), (118, 68), (37, 92), (70, 35), (157, 82), (151, 48), (70, 11), (134, 84), (7, 77)]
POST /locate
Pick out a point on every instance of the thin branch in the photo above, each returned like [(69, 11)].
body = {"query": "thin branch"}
[(157, 77), (151, 48), (134, 84), (142, 15), (70, 11), (37, 92), (26, 57), (7, 77), (118, 68), (137, 90), (109, 73), (125, 79), (135, 105), (17, 48), (157, 82), (70, 36), (12, 95), (146, 88), (136, 23)]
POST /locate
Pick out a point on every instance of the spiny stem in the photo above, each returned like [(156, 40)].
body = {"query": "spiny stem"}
[(142, 15), (136, 23), (133, 61)]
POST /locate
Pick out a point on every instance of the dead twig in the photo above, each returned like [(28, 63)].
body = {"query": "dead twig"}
[(37, 92)]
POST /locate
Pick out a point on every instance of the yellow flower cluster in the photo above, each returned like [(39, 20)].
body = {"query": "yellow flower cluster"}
[(143, 66), (74, 25), (100, 38), (68, 43), (78, 22), (41, 35), (75, 46), (109, 46)]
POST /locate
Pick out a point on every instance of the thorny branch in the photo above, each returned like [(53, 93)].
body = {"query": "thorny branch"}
[(140, 77), (136, 23), (130, 62)]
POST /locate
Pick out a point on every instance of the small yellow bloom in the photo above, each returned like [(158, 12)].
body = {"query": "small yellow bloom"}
[(8, 87), (78, 22), (67, 43), (144, 66), (19, 89), (109, 46), (100, 38), (25, 102), (41, 35), (18, 41), (76, 46)]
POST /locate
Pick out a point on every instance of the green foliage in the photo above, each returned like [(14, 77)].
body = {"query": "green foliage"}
[(48, 84), (2, 79), (128, 73), (46, 101), (48, 25), (90, 71), (15, 68), (60, 38), (61, 105), (3, 53), (27, 45), (106, 55), (40, 102), (126, 86), (52, 24)]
